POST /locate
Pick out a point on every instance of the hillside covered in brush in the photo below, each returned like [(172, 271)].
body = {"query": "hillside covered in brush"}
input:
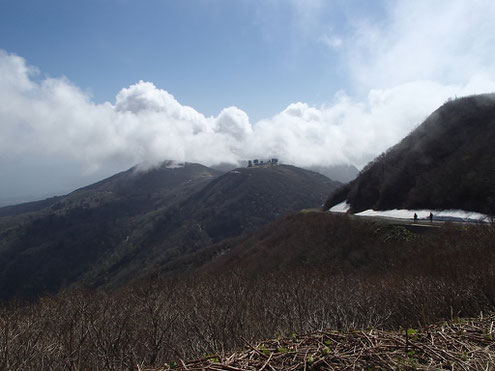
[(448, 162), (312, 289)]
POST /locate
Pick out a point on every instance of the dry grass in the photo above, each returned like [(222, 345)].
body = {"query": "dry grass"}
[(467, 344)]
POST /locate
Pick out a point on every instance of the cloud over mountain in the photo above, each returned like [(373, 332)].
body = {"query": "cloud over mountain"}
[(147, 124), (400, 70), (43, 118)]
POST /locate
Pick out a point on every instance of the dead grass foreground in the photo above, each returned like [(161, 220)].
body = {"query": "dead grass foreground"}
[(462, 344)]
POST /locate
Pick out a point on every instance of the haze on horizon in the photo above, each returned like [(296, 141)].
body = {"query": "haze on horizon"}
[(91, 88)]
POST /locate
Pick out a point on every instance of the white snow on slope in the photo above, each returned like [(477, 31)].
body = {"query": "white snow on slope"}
[(442, 215), (343, 207)]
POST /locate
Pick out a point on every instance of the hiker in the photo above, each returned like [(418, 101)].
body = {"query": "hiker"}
[(431, 217), (415, 217)]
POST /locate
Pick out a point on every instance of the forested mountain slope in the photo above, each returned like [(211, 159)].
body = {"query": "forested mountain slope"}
[(448, 162), (130, 224), (233, 204), (44, 249)]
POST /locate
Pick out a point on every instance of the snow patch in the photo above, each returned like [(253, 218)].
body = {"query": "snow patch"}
[(343, 207), (423, 214)]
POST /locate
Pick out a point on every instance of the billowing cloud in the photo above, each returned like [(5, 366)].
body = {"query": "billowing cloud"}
[(402, 69), (348, 131), (234, 122), (147, 124)]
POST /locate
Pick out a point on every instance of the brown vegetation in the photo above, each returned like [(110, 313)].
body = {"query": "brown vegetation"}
[(420, 280), (460, 344)]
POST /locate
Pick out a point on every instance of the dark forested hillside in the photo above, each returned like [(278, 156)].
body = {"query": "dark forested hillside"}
[(447, 162), (28, 206), (247, 198), (43, 249), (232, 204), (127, 225)]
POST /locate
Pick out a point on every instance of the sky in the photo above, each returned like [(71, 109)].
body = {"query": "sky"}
[(89, 88)]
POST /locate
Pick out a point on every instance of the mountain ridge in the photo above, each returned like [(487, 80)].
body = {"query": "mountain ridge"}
[(233, 204), (114, 230), (52, 247)]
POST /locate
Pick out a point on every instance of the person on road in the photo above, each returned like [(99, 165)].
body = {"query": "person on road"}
[(431, 217), (415, 217)]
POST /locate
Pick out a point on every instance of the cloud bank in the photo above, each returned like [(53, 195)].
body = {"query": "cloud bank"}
[(146, 124), (402, 68)]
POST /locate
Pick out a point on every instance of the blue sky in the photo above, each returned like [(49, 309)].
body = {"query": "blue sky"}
[(257, 55), (89, 88)]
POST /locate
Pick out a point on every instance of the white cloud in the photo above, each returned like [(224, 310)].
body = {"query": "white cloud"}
[(406, 66), (54, 119), (448, 41), (349, 131)]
